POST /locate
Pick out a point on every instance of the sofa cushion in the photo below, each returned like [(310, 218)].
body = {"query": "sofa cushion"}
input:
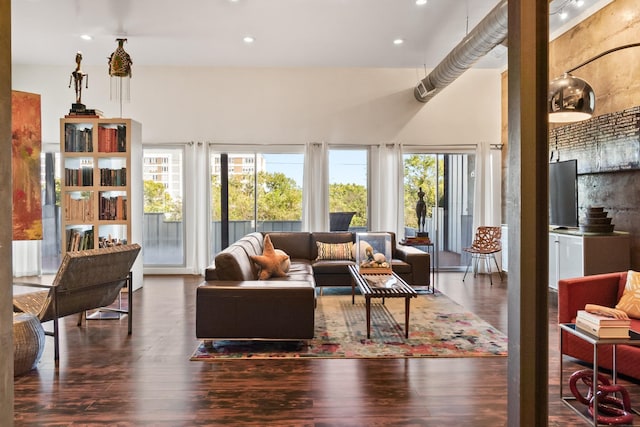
[(334, 251), (272, 263), (400, 267), (299, 271), (331, 266), (630, 301), (296, 244)]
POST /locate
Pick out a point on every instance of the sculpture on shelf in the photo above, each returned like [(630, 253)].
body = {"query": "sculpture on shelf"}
[(76, 78), (421, 213)]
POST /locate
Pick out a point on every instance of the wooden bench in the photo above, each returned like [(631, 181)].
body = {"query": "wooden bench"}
[(400, 289)]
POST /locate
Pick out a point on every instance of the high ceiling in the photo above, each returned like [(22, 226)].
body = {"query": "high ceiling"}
[(287, 33)]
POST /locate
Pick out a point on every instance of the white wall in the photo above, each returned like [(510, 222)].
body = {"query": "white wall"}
[(279, 105)]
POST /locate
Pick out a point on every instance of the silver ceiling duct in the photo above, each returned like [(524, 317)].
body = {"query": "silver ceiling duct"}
[(489, 33)]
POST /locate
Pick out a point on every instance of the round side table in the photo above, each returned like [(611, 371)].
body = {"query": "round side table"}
[(28, 342)]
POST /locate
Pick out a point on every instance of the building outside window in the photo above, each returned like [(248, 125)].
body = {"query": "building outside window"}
[(163, 228)]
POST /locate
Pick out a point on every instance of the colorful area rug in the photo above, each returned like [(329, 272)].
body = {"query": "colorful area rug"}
[(438, 327)]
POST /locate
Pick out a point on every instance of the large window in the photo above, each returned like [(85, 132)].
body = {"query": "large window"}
[(348, 184), (447, 181), (264, 194), (163, 228)]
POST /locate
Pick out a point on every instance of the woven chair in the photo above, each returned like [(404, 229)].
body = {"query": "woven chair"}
[(340, 221), (86, 280), (485, 245)]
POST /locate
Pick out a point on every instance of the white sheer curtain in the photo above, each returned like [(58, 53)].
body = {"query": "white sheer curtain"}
[(386, 188), (197, 219), (487, 192), (315, 197), (27, 258)]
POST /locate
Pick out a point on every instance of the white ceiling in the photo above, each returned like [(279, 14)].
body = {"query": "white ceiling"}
[(291, 33)]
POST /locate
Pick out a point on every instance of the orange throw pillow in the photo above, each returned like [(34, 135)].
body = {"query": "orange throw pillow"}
[(271, 263), (630, 301)]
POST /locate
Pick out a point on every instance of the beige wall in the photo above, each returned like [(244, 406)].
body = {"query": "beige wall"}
[(285, 106)]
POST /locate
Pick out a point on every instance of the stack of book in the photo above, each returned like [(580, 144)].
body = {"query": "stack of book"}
[(417, 241), (602, 326)]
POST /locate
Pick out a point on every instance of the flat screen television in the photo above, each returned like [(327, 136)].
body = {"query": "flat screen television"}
[(563, 194)]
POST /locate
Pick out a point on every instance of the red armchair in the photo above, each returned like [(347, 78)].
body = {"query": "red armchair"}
[(601, 289)]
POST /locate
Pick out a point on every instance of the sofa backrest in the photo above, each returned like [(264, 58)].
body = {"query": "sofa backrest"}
[(621, 284), (295, 243), (256, 240), (234, 262)]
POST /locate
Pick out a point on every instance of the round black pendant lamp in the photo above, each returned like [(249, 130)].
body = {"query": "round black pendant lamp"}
[(572, 99)]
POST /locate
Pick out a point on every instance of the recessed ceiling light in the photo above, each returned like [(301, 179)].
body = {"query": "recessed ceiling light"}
[(398, 41), (563, 14), (86, 37), (579, 3), (421, 2), (248, 39)]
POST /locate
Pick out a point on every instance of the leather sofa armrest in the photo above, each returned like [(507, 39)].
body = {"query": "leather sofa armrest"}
[(575, 293), (420, 262), (210, 273)]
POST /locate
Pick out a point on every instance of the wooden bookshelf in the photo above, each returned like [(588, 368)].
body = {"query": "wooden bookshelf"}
[(101, 185)]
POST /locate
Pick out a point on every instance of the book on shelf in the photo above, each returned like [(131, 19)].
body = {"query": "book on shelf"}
[(601, 320), (79, 239), (112, 139), (77, 140), (603, 331)]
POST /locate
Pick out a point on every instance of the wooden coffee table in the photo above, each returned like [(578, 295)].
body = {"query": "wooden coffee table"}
[(400, 289)]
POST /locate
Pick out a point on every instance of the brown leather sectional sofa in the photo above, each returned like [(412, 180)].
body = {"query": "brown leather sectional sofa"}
[(233, 304)]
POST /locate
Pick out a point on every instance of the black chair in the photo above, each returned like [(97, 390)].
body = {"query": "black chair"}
[(340, 221)]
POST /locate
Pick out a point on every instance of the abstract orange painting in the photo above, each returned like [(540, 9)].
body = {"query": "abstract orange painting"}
[(25, 165)]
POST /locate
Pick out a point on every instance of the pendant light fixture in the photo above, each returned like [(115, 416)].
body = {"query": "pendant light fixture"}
[(120, 72), (572, 99)]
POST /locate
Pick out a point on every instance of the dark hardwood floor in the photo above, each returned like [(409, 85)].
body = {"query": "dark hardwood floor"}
[(106, 377)]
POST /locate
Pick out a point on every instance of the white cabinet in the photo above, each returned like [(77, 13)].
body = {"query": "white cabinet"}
[(575, 254)]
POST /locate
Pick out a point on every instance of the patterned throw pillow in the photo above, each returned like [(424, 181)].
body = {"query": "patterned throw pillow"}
[(334, 251), (630, 301)]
